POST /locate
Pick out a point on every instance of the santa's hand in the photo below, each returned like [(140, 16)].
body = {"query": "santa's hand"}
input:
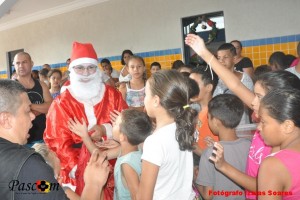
[(97, 169), (196, 43), (98, 131), (78, 128), (217, 156), (113, 116)]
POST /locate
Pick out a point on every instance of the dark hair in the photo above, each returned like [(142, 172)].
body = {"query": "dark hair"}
[(136, 125), (105, 60), (155, 64), (278, 80), (288, 60), (36, 72), (227, 108), (260, 70), (283, 104), (137, 58), (10, 92), (173, 90), (237, 41), (277, 59), (44, 72), (189, 66), (177, 64), (228, 46), (127, 51), (52, 71), (193, 88), (206, 76)]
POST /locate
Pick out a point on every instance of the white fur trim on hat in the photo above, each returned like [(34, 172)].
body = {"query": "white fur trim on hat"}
[(82, 61)]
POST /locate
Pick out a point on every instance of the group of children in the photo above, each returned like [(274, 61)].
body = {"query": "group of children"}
[(274, 153), (229, 167)]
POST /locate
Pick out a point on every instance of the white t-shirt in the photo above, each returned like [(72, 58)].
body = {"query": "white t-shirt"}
[(175, 176)]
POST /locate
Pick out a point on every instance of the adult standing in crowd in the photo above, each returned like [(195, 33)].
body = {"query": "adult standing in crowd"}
[(242, 64), (20, 165), (38, 93)]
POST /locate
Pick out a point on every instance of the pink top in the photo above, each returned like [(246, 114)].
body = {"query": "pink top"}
[(257, 153), (291, 160), (295, 62)]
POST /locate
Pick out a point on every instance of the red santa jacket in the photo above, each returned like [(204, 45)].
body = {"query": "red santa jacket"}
[(57, 134)]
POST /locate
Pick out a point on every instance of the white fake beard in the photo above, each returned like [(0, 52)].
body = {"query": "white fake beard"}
[(86, 87)]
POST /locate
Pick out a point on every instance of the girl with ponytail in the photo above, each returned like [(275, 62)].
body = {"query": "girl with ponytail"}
[(167, 160)]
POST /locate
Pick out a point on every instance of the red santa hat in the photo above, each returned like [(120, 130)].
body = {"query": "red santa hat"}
[(83, 53)]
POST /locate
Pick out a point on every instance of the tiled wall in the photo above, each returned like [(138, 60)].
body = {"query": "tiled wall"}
[(164, 57), (258, 51)]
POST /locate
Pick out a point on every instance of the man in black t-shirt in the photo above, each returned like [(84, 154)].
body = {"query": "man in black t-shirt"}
[(38, 93), (24, 174)]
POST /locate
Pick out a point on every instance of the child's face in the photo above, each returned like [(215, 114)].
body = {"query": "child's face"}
[(136, 68), (116, 128), (55, 79), (269, 126), (154, 69), (237, 47), (226, 58), (259, 92), (203, 89), (126, 58)]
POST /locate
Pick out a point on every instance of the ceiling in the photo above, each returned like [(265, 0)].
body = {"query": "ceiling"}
[(14, 13)]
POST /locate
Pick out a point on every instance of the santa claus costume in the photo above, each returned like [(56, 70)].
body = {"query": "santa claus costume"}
[(88, 98)]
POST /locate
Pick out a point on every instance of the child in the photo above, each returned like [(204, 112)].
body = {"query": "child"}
[(167, 166), (154, 67), (54, 77), (224, 114), (111, 72), (226, 55), (124, 74), (130, 129), (265, 83), (279, 175), (207, 86), (133, 91), (43, 76)]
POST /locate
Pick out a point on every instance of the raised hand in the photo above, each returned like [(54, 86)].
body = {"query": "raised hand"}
[(97, 169), (113, 116), (78, 128), (196, 43), (217, 156)]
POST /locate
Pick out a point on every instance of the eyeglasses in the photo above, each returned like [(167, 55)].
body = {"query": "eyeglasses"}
[(81, 69)]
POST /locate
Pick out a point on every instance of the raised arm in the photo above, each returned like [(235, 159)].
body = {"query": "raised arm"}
[(231, 81)]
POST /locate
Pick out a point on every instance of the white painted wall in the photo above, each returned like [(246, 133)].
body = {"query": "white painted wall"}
[(145, 25)]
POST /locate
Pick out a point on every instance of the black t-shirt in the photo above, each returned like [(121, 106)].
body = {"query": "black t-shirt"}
[(37, 182), (244, 63)]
